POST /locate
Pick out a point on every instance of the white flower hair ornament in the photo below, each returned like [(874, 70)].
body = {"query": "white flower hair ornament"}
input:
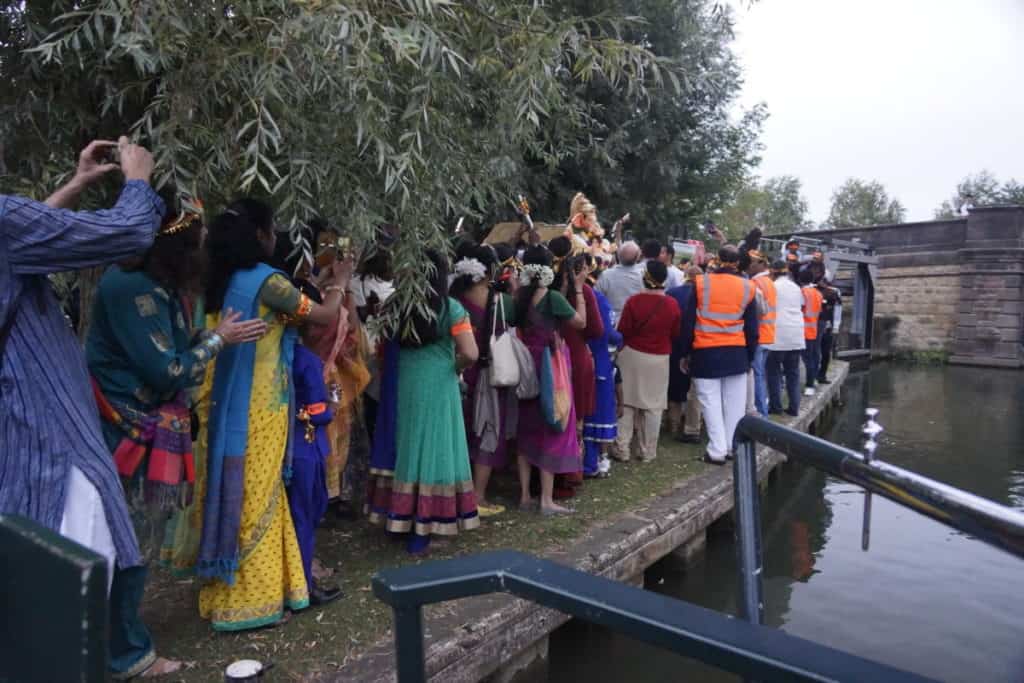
[(543, 275), (471, 267)]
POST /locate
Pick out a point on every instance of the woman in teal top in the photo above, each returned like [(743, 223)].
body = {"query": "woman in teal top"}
[(143, 357), (431, 491)]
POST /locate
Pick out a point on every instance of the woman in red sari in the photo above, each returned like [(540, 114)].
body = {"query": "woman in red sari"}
[(568, 271)]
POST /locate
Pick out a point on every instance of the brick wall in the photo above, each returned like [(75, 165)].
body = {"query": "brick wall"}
[(916, 308)]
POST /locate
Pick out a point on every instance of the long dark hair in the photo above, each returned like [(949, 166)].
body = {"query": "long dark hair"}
[(233, 244), (420, 329), (488, 257), (565, 273), (535, 255), (176, 262)]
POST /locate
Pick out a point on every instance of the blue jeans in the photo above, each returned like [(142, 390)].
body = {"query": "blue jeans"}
[(812, 359), (783, 363), (760, 380)]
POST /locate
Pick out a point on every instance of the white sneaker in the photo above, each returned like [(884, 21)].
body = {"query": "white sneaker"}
[(808, 391), (604, 466)]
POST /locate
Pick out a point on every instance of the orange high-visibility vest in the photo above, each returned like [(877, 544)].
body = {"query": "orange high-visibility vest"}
[(812, 311), (721, 300), (766, 321)]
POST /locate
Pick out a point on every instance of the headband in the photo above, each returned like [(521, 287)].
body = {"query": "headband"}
[(184, 220), (650, 282)]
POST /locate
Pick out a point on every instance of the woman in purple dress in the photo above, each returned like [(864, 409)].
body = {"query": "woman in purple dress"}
[(489, 312), (539, 314)]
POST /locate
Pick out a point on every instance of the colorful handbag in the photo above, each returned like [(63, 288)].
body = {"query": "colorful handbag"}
[(555, 387)]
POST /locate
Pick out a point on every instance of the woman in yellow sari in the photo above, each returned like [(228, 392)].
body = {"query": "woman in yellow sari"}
[(247, 549)]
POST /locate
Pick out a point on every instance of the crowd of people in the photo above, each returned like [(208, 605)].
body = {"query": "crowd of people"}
[(232, 397)]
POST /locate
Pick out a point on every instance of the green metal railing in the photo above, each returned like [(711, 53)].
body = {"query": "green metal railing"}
[(750, 650), (741, 646), (54, 606)]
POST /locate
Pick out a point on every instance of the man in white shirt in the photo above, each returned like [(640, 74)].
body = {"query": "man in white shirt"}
[(675, 274), (785, 352), (652, 250), (620, 282)]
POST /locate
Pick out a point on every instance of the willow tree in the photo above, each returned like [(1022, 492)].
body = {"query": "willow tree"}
[(412, 112)]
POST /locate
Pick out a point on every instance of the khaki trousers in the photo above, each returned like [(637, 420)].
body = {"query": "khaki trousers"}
[(691, 423), (645, 424)]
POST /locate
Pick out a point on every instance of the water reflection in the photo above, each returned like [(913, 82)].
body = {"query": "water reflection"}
[(924, 598)]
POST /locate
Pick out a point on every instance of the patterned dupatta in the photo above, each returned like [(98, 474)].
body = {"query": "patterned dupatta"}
[(164, 437), (229, 431)]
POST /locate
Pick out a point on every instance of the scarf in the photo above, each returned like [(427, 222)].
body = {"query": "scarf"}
[(229, 432), (165, 436), (384, 452)]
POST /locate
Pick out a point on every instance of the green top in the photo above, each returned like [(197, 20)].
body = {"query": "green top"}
[(555, 306), (139, 347)]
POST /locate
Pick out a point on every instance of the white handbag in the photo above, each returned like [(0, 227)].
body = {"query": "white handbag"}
[(505, 370), (529, 381)]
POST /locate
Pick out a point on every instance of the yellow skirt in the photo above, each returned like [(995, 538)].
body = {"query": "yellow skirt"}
[(270, 578)]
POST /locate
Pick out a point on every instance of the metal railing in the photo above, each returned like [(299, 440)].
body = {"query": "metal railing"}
[(744, 647), (990, 522), (750, 650)]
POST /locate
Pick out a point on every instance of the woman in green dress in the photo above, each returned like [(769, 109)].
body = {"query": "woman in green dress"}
[(430, 489)]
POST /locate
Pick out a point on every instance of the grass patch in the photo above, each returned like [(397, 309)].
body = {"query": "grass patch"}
[(920, 357), (321, 639)]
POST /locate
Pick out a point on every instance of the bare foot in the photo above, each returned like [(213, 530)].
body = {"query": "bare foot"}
[(528, 504), (161, 667), (555, 509), (320, 572)]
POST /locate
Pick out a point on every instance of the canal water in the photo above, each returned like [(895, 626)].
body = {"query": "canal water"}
[(923, 598)]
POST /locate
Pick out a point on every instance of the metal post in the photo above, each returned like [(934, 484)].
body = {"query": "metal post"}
[(409, 644), (871, 430), (748, 530)]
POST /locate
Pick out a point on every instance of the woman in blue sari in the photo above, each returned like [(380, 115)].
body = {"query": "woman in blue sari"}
[(601, 428), (248, 551)]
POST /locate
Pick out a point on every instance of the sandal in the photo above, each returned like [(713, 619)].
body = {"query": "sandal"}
[(485, 510), (161, 667)]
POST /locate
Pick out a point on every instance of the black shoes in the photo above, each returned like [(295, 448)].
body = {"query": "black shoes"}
[(822, 380), (321, 595), (687, 438), (791, 412), (711, 461)]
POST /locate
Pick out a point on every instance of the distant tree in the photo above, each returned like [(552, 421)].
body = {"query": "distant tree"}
[(863, 202), (982, 189), (776, 205), (678, 156)]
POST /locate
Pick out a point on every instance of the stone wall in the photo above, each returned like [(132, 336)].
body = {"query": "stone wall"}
[(952, 286), (916, 309)]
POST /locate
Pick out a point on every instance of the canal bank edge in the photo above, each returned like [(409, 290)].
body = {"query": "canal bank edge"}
[(495, 636)]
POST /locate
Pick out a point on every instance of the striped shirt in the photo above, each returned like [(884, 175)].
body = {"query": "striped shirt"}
[(48, 419)]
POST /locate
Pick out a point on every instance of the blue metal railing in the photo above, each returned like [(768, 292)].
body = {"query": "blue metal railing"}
[(743, 647)]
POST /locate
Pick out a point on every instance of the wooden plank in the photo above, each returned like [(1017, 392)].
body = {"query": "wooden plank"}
[(509, 232)]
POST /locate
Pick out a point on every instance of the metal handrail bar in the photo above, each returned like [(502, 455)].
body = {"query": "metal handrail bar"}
[(995, 524), (750, 650)]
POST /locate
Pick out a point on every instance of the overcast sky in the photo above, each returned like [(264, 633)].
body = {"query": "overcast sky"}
[(914, 93)]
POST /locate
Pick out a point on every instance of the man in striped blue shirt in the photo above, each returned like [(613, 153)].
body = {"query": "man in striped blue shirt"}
[(54, 465)]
